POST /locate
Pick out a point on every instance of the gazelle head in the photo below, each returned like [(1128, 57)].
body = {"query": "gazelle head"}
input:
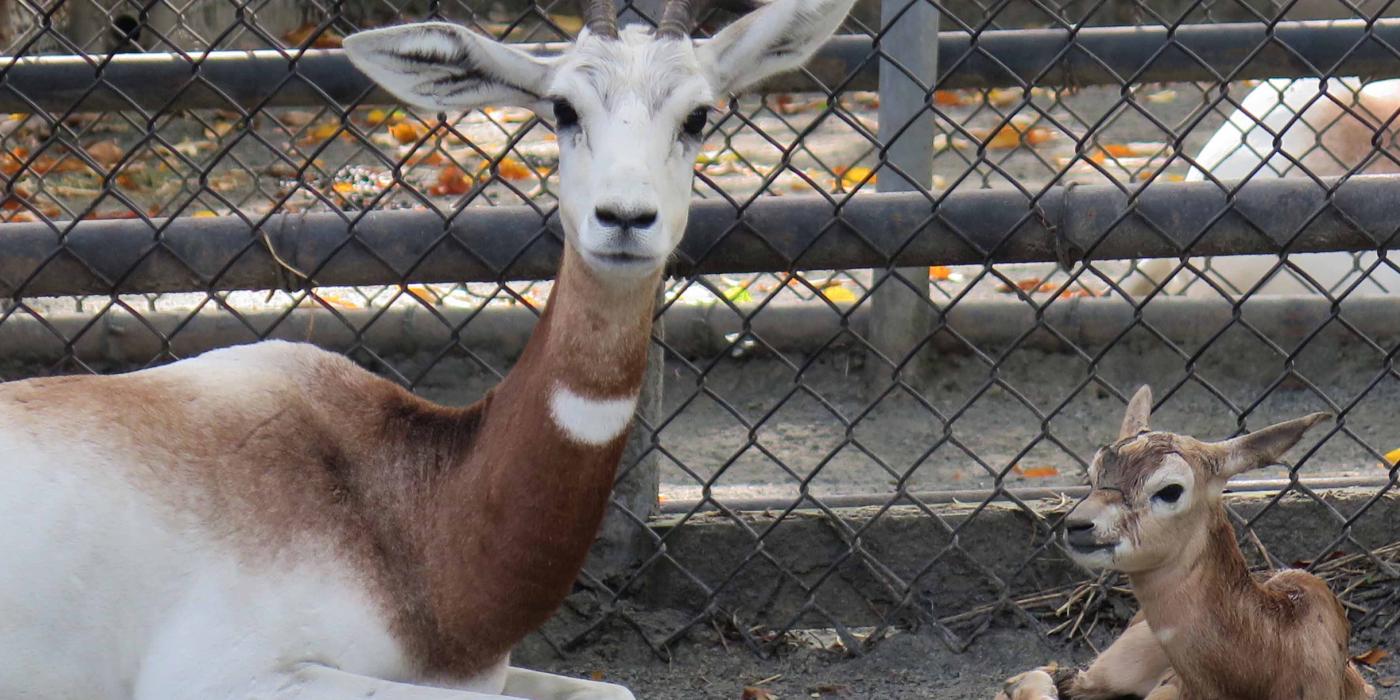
[(1152, 492), (630, 107)]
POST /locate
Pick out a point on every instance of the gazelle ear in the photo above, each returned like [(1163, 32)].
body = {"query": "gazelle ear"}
[(1263, 447), (1139, 409), (778, 37), (442, 66)]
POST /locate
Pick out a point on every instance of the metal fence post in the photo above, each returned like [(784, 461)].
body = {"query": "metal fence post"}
[(900, 313)]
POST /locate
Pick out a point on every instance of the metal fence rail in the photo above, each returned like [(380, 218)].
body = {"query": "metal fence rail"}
[(1007, 58), (1072, 207)]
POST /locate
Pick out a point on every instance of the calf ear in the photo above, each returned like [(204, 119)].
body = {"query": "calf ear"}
[(1263, 447), (778, 37), (1139, 410), (442, 66)]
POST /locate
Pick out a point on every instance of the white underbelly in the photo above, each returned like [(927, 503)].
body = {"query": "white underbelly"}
[(106, 593)]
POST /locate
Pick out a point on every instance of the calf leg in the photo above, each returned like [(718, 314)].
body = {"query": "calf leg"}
[(1134, 665)]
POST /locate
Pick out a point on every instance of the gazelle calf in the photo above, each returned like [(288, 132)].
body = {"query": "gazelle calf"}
[(1207, 630), (273, 522)]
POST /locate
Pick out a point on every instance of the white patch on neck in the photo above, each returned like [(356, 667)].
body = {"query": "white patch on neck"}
[(1165, 635), (590, 421)]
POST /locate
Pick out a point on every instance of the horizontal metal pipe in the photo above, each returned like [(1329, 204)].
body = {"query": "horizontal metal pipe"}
[(121, 339), (865, 500), (1100, 56), (771, 234)]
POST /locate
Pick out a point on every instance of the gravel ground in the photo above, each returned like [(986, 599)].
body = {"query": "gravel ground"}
[(756, 427), (903, 667)]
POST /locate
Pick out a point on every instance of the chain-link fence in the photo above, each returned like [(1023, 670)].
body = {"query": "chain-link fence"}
[(921, 278)]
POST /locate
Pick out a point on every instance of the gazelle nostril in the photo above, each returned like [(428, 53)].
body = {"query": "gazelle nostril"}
[(1079, 526), (624, 218), (607, 217)]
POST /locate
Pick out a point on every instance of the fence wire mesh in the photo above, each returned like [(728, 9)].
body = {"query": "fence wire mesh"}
[(810, 477)]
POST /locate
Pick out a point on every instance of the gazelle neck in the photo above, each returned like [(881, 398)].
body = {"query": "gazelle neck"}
[(592, 336), (511, 525), (1189, 600)]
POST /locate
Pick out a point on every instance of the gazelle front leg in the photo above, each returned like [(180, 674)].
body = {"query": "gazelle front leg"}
[(1134, 665)]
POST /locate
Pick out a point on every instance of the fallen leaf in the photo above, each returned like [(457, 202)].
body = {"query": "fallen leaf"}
[(738, 294), (376, 117), (1029, 284), (321, 132), (1393, 457), (16, 201), (752, 693), (343, 187), (1372, 657), (219, 130), (106, 152), (204, 214), (1005, 97), (12, 159), (296, 118), (1135, 149), (597, 676), (940, 272), (1388, 681), (404, 133), (1162, 97), (336, 300), (422, 293), (426, 157), (451, 180), (838, 294), (512, 169), (1081, 292), (855, 176), (1037, 472), (1013, 135), (954, 98), (112, 215), (324, 39), (48, 164), (508, 115)]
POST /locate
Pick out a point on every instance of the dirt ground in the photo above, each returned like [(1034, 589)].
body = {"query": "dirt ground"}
[(758, 427), (904, 667)]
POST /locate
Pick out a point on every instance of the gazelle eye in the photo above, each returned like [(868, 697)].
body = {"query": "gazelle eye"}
[(564, 114), (695, 122), (1169, 494)]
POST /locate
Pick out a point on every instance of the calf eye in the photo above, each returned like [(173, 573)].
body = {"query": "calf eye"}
[(564, 114), (695, 122), (1169, 494)]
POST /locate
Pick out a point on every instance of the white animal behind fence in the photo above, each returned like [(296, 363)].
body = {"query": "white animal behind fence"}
[(1328, 130), (274, 522)]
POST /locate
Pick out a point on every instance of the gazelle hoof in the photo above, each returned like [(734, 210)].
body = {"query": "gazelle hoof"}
[(1031, 685)]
